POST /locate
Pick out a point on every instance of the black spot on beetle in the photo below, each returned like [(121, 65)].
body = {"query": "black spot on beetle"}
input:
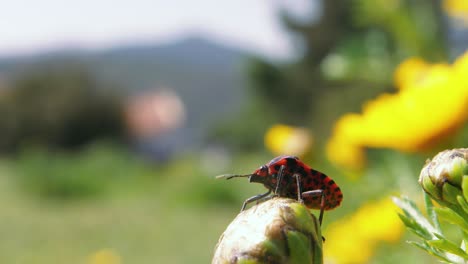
[(291, 162)]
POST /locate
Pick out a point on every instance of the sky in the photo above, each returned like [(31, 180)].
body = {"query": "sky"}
[(33, 26)]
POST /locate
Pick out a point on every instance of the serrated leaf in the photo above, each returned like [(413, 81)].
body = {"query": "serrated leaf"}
[(413, 227), (439, 236), (451, 216), (407, 221), (419, 245), (412, 212), (442, 244), (429, 250)]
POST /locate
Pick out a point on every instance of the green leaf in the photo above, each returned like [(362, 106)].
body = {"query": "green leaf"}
[(416, 229), (459, 168), (424, 246), (429, 187), (463, 243), (447, 246), (451, 216), (305, 222), (431, 212), (465, 186), (299, 246), (274, 247), (413, 213), (449, 193), (463, 204)]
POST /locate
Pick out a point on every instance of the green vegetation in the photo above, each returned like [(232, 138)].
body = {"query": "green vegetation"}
[(445, 180), (59, 107), (146, 214), (171, 213)]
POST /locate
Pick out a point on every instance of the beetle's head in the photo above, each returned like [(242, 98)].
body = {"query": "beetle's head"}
[(259, 175)]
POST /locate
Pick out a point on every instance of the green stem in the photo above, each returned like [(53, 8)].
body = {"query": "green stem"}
[(431, 212)]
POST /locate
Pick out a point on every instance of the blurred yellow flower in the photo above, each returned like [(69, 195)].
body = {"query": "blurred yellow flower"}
[(457, 9), (283, 139), (354, 238), (342, 150), (460, 67), (409, 72), (104, 256), (431, 104)]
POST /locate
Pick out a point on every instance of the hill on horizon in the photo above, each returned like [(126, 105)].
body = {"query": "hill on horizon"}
[(207, 76)]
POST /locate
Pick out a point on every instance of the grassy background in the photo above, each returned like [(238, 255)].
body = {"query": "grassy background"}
[(165, 214), (146, 213)]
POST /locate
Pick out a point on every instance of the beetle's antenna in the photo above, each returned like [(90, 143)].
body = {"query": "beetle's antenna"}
[(230, 176)]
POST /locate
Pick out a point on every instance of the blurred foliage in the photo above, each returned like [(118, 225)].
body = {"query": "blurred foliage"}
[(411, 27), (74, 175), (346, 55), (244, 131), (138, 212), (60, 106)]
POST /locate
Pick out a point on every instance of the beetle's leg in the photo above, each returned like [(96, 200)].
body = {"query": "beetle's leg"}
[(299, 187), (279, 179), (255, 198), (320, 193)]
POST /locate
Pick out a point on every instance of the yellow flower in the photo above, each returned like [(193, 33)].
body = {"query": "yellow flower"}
[(341, 149), (354, 238), (104, 256), (460, 67), (457, 9), (282, 139), (409, 71), (426, 110)]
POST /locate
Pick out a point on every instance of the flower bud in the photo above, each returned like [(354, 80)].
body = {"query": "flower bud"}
[(442, 177), (279, 230)]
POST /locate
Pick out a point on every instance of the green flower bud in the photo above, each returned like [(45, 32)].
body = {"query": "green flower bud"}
[(443, 177), (279, 230)]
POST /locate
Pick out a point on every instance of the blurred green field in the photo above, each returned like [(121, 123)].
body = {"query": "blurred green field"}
[(172, 213), (165, 214)]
